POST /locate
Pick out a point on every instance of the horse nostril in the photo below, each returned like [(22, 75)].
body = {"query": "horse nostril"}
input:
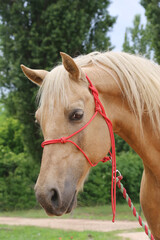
[(55, 198)]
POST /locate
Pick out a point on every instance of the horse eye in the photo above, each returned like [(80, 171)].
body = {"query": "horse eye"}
[(76, 115)]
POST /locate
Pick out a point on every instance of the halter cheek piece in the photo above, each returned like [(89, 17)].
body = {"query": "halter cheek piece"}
[(98, 109)]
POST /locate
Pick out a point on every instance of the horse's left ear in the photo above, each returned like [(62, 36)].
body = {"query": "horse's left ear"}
[(70, 66), (34, 75)]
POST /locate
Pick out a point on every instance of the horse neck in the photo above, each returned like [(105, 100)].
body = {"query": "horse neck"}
[(125, 123)]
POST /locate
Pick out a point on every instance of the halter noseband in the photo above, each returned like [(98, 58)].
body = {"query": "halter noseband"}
[(98, 109)]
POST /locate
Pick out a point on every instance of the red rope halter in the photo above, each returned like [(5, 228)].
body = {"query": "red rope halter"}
[(98, 109)]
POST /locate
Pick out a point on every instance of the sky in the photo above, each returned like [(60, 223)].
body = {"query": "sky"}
[(125, 10)]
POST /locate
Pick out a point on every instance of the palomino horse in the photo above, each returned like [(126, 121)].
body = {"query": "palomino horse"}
[(129, 89)]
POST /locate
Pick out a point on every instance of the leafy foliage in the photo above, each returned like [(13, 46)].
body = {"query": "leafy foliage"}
[(17, 174), (17, 178), (10, 132), (131, 167), (138, 39), (98, 183)]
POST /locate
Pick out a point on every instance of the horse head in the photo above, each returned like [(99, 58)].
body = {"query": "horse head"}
[(66, 105)]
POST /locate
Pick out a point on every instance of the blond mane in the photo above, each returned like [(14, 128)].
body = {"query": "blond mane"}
[(138, 78)]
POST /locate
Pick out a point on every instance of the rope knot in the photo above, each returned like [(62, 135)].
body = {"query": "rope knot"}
[(63, 140), (106, 159), (98, 108)]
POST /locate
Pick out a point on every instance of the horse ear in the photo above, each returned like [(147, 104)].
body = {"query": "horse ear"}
[(35, 76), (70, 66)]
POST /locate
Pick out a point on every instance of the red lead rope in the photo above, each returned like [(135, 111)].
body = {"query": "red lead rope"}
[(98, 108)]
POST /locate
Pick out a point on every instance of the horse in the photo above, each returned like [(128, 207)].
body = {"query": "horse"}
[(129, 89)]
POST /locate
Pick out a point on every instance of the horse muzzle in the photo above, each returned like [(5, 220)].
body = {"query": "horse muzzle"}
[(56, 203)]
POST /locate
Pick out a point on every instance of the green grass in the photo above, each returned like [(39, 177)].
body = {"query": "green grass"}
[(123, 212), (36, 233)]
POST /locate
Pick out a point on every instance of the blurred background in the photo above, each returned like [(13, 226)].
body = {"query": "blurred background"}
[(33, 32)]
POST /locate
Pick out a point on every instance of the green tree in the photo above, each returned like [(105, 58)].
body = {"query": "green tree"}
[(33, 33), (152, 12), (10, 135), (17, 180), (138, 39), (17, 175)]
